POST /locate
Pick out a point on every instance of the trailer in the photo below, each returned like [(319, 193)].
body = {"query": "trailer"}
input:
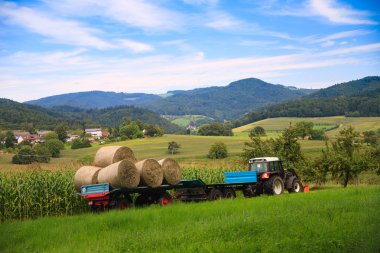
[(264, 175)]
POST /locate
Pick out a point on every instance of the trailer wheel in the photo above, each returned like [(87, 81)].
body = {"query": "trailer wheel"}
[(274, 186), (123, 204), (229, 193), (214, 194), (165, 199), (296, 186), (142, 200)]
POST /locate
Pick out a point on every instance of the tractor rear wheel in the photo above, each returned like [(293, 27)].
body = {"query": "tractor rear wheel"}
[(214, 194), (296, 186), (274, 186)]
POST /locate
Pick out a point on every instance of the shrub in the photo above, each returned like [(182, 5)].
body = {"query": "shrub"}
[(258, 131), (215, 129), (80, 143), (26, 155), (42, 153), (173, 147), (218, 151), (55, 146)]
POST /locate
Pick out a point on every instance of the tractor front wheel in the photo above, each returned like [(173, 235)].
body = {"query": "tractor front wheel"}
[(296, 186), (274, 186)]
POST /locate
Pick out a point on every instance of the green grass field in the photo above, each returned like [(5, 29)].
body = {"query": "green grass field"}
[(277, 124), (184, 120), (333, 220)]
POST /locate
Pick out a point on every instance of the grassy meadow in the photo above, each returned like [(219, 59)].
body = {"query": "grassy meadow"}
[(333, 220)]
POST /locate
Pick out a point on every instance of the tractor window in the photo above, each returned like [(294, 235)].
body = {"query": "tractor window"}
[(272, 166), (259, 167)]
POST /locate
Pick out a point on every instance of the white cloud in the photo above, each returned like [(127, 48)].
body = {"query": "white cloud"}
[(56, 29), (155, 73), (328, 43), (202, 2), (140, 14), (220, 20), (338, 13), (135, 46)]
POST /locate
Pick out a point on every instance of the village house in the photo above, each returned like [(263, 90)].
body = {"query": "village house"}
[(26, 136), (94, 132)]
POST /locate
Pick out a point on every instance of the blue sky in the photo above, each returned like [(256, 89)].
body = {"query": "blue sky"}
[(51, 47)]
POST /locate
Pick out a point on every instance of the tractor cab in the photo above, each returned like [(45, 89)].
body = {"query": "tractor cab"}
[(266, 166)]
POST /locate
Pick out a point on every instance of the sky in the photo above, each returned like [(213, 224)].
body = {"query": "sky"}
[(51, 47)]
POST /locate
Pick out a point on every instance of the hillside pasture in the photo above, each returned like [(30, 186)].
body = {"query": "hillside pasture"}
[(278, 124)]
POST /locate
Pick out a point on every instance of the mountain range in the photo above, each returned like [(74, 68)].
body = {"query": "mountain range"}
[(221, 103)]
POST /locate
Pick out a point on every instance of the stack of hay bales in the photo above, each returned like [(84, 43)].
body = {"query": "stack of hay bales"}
[(118, 166)]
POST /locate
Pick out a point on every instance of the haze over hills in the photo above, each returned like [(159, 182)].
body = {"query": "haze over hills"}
[(221, 103), (95, 99), (355, 98), (14, 115)]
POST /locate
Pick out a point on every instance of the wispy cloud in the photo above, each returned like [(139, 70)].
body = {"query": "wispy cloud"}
[(135, 46), (140, 14), (55, 29), (202, 2), (339, 13), (161, 72)]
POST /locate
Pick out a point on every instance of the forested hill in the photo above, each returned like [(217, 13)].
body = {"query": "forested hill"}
[(355, 98), (14, 115), (95, 99), (229, 102)]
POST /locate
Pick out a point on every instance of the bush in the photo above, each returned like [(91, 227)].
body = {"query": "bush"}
[(218, 151), (80, 143), (55, 146), (258, 131), (318, 134), (173, 147), (42, 153), (215, 129), (50, 135), (26, 155)]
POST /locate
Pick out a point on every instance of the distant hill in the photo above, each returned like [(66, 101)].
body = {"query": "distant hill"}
[(355, 98), (14, 115), (225, 103), (95, 99)]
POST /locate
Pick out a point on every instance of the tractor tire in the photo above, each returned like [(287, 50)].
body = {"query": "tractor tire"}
[(274, 186), (214, 194), (296, 187), (229, 193), (165, 199)]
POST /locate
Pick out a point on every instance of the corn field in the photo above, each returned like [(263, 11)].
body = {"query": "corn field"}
[(34, 194), (25, 195)]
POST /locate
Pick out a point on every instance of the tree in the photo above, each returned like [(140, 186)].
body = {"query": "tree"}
[(259, 131), (26, 155), (131, 131), (256, 147), (304, 128), (344, 159), (173, 147), (42, 153), (10, 139), (80, 143), (55, 146), (153, 130), (215, 129), (61, 131), (288, 147), (218, 151), (50, 136), (318, 134)]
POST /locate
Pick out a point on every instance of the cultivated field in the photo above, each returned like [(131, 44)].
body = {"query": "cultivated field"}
[(334, 220), (278, 124)]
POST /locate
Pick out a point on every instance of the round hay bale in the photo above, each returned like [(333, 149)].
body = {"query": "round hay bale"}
[(108, 155), (86, 175), (151, 173), (172, 171), (122, 174)]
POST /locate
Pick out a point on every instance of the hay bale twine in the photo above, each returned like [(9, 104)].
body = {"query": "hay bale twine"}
[(86, 175), (172, 171), (122, 174), (151, 173), (108, 155)]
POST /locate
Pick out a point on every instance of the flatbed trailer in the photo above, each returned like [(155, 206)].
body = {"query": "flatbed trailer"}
[(103, 196)]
